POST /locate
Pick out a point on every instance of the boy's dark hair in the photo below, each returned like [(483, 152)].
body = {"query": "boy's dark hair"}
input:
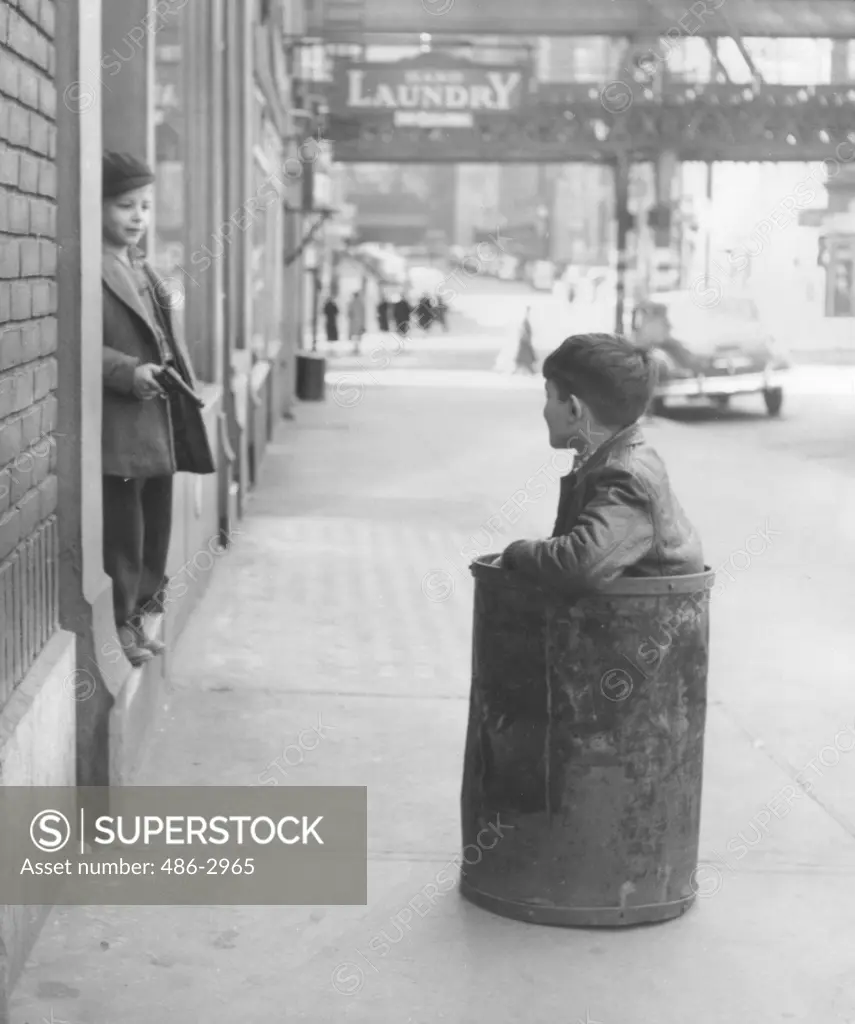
[(612, 377)]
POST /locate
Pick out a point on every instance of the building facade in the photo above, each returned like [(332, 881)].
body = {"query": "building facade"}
[(37, 657), (205, 94)]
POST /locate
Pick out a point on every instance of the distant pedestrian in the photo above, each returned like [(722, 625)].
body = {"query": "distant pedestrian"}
[(526, 356), (425, 313), (331, 318), (356, 320), (441, 310), (402, 312)]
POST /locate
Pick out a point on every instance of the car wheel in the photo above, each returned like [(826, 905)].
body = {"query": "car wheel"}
[(722, 401), (774, 399)]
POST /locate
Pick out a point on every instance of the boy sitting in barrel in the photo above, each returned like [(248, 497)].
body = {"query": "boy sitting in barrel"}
[(617, 515)]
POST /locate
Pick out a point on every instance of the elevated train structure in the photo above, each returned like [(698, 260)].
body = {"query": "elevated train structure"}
[(642, 115)]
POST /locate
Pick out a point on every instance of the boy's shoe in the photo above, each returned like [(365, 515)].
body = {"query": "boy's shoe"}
[(149, 642), (135, 653)]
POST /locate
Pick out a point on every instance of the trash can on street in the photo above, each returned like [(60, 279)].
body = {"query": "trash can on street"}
[(581, 794), (311, 376)]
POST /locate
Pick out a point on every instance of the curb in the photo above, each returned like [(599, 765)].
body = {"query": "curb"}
[(825, 357)]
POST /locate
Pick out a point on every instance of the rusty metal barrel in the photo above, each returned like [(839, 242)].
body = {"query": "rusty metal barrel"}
[(581, 795)]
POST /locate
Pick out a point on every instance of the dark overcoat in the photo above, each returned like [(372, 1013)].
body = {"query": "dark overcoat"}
[(153, 437), (331, 317)]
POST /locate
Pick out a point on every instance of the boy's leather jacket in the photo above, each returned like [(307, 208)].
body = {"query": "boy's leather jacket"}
[(617, 515)]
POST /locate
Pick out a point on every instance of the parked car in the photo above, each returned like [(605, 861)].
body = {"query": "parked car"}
[(710, 353)]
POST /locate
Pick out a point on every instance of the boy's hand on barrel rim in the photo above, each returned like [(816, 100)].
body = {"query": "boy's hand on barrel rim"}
[(508, 559)]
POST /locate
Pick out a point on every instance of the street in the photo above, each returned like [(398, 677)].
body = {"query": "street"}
[(819, 410), (345, 608)]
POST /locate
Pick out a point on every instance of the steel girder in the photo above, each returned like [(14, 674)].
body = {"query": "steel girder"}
[(349, 20), (593, 124)]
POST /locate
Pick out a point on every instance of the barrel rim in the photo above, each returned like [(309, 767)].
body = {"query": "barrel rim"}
[(627, 586)]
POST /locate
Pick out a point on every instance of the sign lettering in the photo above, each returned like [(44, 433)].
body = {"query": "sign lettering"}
[(496, 93), (428, 96)]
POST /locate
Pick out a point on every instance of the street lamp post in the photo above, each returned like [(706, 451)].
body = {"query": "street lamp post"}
[(316, 298), (624, 221), (311, 267), (543, 221)]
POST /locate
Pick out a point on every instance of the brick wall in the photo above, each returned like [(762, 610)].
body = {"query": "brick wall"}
[(28, 334)]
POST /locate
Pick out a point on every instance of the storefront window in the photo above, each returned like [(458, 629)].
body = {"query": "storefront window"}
[(169, 255), (260, 292), (267, 240)]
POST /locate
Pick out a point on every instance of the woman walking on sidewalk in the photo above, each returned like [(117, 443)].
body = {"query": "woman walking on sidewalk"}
[(148, 433), (526, 357), (331, 318), (441, 310), (425, 313), (402, 312), (383, 311)]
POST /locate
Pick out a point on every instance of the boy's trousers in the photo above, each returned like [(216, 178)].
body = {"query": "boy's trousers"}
[(137, 528)]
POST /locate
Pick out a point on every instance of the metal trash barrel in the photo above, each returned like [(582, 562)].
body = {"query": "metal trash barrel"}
[(581, 794), (311, 376)]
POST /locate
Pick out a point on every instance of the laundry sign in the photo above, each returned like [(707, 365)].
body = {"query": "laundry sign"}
[(424, 96)]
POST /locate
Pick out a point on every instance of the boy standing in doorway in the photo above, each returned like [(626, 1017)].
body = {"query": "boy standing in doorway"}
[(148, 433)]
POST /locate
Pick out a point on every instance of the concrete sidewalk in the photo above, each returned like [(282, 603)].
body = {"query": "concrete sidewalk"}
[(347, 602)]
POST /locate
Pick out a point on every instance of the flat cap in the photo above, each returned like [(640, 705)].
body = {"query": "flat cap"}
[(123, 173)]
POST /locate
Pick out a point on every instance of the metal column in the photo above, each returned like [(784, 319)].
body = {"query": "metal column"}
[(621, 173)]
